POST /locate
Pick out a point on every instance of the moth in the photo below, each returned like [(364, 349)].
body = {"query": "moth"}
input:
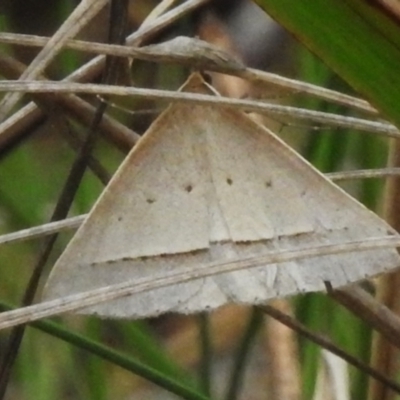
[(208, 184)]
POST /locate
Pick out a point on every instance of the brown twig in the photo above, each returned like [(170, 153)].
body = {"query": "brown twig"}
[(83, 112), (328, 345), (18, 124), (376, 314), (384, 356)]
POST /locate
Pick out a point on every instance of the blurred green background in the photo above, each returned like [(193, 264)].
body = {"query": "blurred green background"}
[(33, 171)]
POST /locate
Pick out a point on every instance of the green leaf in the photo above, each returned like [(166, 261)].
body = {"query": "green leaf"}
[(355, 39), (178, 387)]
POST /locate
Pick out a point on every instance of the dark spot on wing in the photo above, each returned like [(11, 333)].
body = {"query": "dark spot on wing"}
[(229, 181), (188, 188), (120, 218), (150, 201), (268, 183)]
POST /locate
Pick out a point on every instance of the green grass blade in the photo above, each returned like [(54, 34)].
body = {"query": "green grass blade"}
[(139, 339), (243, 352), (359, 43), (128, 363)]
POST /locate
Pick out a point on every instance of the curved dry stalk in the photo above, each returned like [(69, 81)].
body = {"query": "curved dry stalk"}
[(42, 230), (15, 125), (75, 222), (364, 306), (295, 86), (174, 51), (316, 117), (123, 137), (283, 355), (384, 356), (363, 174), (194, 53), (81, 15), (95, 66), (327, 344), (157, 11), (86, 299)]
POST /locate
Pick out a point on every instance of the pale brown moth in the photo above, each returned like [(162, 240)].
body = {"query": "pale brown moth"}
[(208, 184)]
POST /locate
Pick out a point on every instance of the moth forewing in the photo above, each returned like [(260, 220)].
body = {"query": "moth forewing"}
[(208, 184)]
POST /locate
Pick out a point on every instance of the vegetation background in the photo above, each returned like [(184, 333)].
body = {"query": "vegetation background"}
[(173, 352)]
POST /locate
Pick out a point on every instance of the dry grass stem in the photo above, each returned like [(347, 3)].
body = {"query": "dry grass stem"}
[(123, 137), (284, 368), (164, 52), (364, 306), (277, 111), (328, 345), (29, 115), (385, 356), (75, 222), (81, 15), (97, 296)]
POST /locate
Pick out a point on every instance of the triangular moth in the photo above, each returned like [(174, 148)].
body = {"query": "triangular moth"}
[(207, 184)]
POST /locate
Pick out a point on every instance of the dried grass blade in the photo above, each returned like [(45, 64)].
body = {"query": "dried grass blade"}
[(316, 117), (86, 299), (82, 14), (252, 75)]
